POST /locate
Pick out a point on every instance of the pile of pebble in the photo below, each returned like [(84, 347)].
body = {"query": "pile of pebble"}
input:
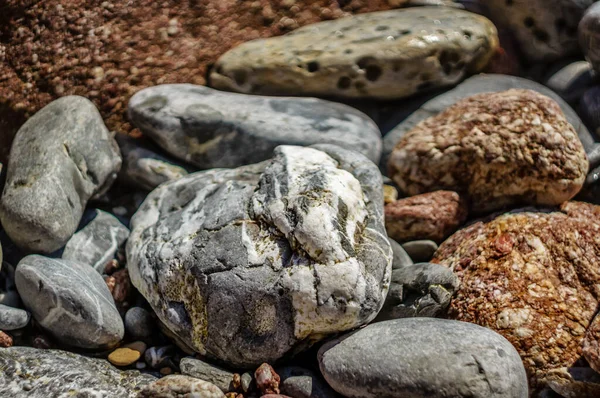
[(270, 246)]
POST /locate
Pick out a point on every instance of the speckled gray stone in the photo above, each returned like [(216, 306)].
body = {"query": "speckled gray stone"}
[(220, 377), (244, 265), (13, 318), (423, 357), (60, 157), (401, 258), (97, 243), (31, 373), (139, 323), (299, 382), (69, 300), (420, 251), (210, 128), (180, 386)]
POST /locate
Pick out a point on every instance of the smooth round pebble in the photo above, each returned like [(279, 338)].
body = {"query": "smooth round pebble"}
[(13, 318), (139, 323), (420, 251), (123, 356)]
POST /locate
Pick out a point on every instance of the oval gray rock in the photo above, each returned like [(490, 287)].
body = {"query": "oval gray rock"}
[(243, 265), (13, 318), (199, 369), (60, 157), (423, 357), (298, 382), (384, 55), (69, 300), (210, 128)]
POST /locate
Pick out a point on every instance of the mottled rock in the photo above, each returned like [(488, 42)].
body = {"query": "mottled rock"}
[(61, 157), (420, 251), (589, 33), (574, 382), (158, 357), (33, 373), (267, 380), (13, 318), (400, 256), (119, 286), (246, 381), (293, 249), (69, 300), (498, 149), (532, 276), (591, 344), (202, 370), (97, 242), (390, 194), (5, 340), (139, 323), (571, 80), (175, 386), (544, 29), (431, 216), (390, 54), (298, 382), (423, 357), (210, 128)]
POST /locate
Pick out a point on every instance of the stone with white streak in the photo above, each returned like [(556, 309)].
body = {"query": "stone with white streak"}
[(244, 265)]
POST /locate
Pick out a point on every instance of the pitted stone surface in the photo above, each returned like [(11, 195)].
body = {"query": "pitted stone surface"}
[(388, 54), (244, 264)]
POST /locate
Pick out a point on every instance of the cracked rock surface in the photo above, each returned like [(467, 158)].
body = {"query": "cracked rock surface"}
[(245, 264), (423, 357), (498, 149), (384, 55), (60, 158)]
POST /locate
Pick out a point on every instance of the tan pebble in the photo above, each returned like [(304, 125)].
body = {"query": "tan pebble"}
[(166, 371), (123, 356), (390, 194)]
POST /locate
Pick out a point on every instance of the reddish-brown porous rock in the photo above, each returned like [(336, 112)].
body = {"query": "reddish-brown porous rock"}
[(267, 380)]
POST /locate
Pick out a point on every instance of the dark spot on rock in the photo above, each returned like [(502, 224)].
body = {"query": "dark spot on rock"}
[(501, 353), (560, 24), (468, 34), (448, 60), (425, 77), (40, 285), (406, 32), (219, 69), (424, 86), (541, 35), (313, 66), (397, 66), (509, 2), (344, 83), (360, 86), (154, 103), (381, 28), (240, 77), (364, 62), (572, 31), (373, 72), (348, 51), (529, 22)]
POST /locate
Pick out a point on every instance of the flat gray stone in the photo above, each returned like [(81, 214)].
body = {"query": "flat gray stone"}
[(243, 265), (220, 377), (59, 159), (69, 300), (420, 251), (384, 55), (210, 128), (570, 80), (423, 357), (13, 318), (31, 373), (401, 258), (299, 382)]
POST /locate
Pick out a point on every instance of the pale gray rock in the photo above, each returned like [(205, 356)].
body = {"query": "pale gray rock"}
[(589, 34), (423, 357), (220, 377), (210, 128), (139, 323), (69, 300), (384, 55), (143, 167), (401, 258), (13, 318), (97, 243), (420, 251), (59, 159), (245, 264), (246, 381), (31, 373), (298, 382)]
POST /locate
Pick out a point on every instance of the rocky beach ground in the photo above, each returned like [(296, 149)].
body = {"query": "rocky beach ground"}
[(305, 199)]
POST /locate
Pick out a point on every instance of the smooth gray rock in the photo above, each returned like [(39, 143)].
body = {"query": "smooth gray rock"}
[(220, 377), (13, 318), (422, 290), (245, 264), (59, 159), (299, 382), (246, 380), (143, 167), (589, 34), (139, 323), (401, 258), (476, 85), (423, 357), (571, 80), (32, 373), (97, 243), (69, 300), (420, 251), (210, 128)]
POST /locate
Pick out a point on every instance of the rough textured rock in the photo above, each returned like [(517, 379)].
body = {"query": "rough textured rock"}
[(97, 242), (391, 54), (591, 344), (175, 386), (498, 149), (476, 85), (69, 300), (33, 373), (293, 248), (423, 357), (210, 128), (420, 250), (533, 276), (298, 382), (589, 33), (431, 216), (267, 380), (220, 377), (544, 29), (60, 158), (13, 318), (573, 382)]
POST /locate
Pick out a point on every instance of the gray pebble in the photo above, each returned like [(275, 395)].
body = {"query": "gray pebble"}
[(247, 380), (401, 257), (299, 382), (13, 318), (139, 323), (420, 251), (220, 377)]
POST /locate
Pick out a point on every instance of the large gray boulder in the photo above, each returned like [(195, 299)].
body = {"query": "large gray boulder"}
[(244, 265), (59, 159)]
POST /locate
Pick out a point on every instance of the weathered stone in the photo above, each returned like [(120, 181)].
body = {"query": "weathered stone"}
[(298, 382), (390, 194), (61, 157), (591, 344), (213, 374), (13, 318), (97, 242), (5, 340), (293, 248), (423, 357), (69, 300), (431, 216), (158, 357), (267, 380), (420, 251), (570, 80), (139, 323), (390, 54), (246, 381), (589, 33), (533, 276), (210, 128), (176, 386), (400, 257), (544, 29), (574, 382), (33, 373), (498, 149)]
